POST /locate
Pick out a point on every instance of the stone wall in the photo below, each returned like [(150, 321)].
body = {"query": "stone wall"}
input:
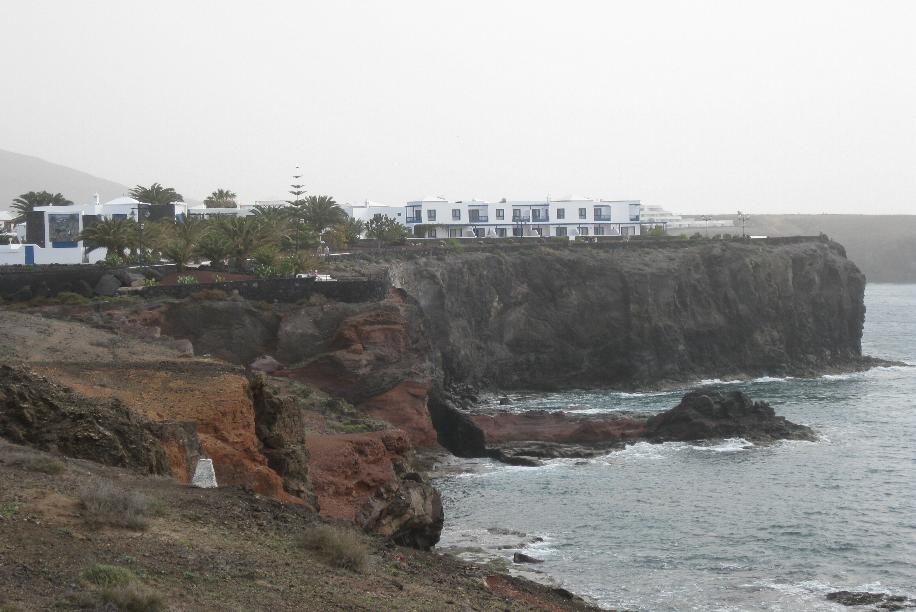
[(287, 290)]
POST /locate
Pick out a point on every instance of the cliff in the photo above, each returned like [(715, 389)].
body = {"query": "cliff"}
[(637, 314)]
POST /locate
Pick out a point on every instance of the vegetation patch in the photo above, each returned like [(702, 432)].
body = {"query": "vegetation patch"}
[(34, 462), (106, 503), (132, 597), (108, 575), (337, 546)]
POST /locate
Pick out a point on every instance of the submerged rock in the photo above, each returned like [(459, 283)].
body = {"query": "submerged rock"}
[(523, 558), (703, 415), (882, 601)]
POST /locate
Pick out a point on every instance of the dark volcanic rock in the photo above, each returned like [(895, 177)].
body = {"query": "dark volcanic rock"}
[(881, 601), (39, 413), (281, 429), (408, 512), (703, 415), (638, 314), (236, 331), (455, 429), (523, 558)]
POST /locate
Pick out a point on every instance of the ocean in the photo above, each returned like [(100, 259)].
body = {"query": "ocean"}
[(728, 525)]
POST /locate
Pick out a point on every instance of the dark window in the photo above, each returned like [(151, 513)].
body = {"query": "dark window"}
[(500, 213), (431, 233), (453, 233), (456, 214), (501, 232), (581, 213), (430, 215), (516, 214), (599, 230), (516, 231), (561, 214), (583, 231), (561, 231)]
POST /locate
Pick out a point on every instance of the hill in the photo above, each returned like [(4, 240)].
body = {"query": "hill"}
[(883, 246), (22, 173)]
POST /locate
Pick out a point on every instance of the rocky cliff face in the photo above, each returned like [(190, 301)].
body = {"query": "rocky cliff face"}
[(637, 314)]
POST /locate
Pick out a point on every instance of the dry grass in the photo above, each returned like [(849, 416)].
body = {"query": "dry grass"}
[(338, 547), (106, 503), (131, 597), (34, 462)]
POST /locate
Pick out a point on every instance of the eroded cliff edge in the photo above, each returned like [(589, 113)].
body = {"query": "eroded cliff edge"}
[(637, 314)]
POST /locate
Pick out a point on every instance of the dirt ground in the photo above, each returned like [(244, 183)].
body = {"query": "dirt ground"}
[(216, 549)]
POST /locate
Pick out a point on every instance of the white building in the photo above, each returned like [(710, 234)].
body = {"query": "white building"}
[(367, 210), (655, 215), (52, 233), (567, 217)]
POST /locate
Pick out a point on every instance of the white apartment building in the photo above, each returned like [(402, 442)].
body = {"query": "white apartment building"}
[(567, 217), (368, 209)]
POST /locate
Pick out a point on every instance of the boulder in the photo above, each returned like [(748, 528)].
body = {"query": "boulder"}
[(128, 277), (705, 415), (408, 512), (265, 363), (523, 558), (83, 288), (108, 285)]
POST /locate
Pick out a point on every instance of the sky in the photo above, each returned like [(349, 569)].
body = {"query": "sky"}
[(699, 106)]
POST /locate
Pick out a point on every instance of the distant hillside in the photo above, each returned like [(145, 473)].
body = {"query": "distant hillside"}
[(22, 173), (883, 246)]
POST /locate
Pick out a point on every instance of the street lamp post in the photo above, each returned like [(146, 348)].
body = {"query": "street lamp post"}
[(743, 218), (706, 218)]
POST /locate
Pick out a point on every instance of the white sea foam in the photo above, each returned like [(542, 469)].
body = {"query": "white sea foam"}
[(729, 445)]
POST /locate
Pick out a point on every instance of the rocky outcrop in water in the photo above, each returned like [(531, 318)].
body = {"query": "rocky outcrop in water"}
[(704, 415)]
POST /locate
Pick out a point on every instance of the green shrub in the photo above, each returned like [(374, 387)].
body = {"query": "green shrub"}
[(108, 575), (187, 279), (150, 282), (68, 297), (106, 503), (337, 546)]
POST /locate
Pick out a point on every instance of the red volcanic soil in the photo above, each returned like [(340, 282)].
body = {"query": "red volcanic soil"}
[(204, 276), (346, 468), (560, 427)]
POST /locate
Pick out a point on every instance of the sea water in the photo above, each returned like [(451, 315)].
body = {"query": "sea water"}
[(728, 525)]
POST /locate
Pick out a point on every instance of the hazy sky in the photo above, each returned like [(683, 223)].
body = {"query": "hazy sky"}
[(698, 106)]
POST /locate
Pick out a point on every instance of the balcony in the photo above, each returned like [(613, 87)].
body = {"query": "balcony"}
[(520, 219), (478, 218), (539, 216), (602, 217), (417, 219)]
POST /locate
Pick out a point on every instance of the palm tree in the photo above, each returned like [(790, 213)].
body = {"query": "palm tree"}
[(27, 202), (177, 240), (321, 212), (275, 221), (243, 235), (221, 198), (116, 235), (156, 194), (214, 247)]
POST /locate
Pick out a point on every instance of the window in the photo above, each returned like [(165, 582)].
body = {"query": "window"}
[(561, 231), (501, 232), (453, 233), (516, 214), (599, 230), (377, 216), (581, 213), (456, 214), (583, 231), (517, 232), (500, 213), (561, 214), (431, 216), (431, 233)]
